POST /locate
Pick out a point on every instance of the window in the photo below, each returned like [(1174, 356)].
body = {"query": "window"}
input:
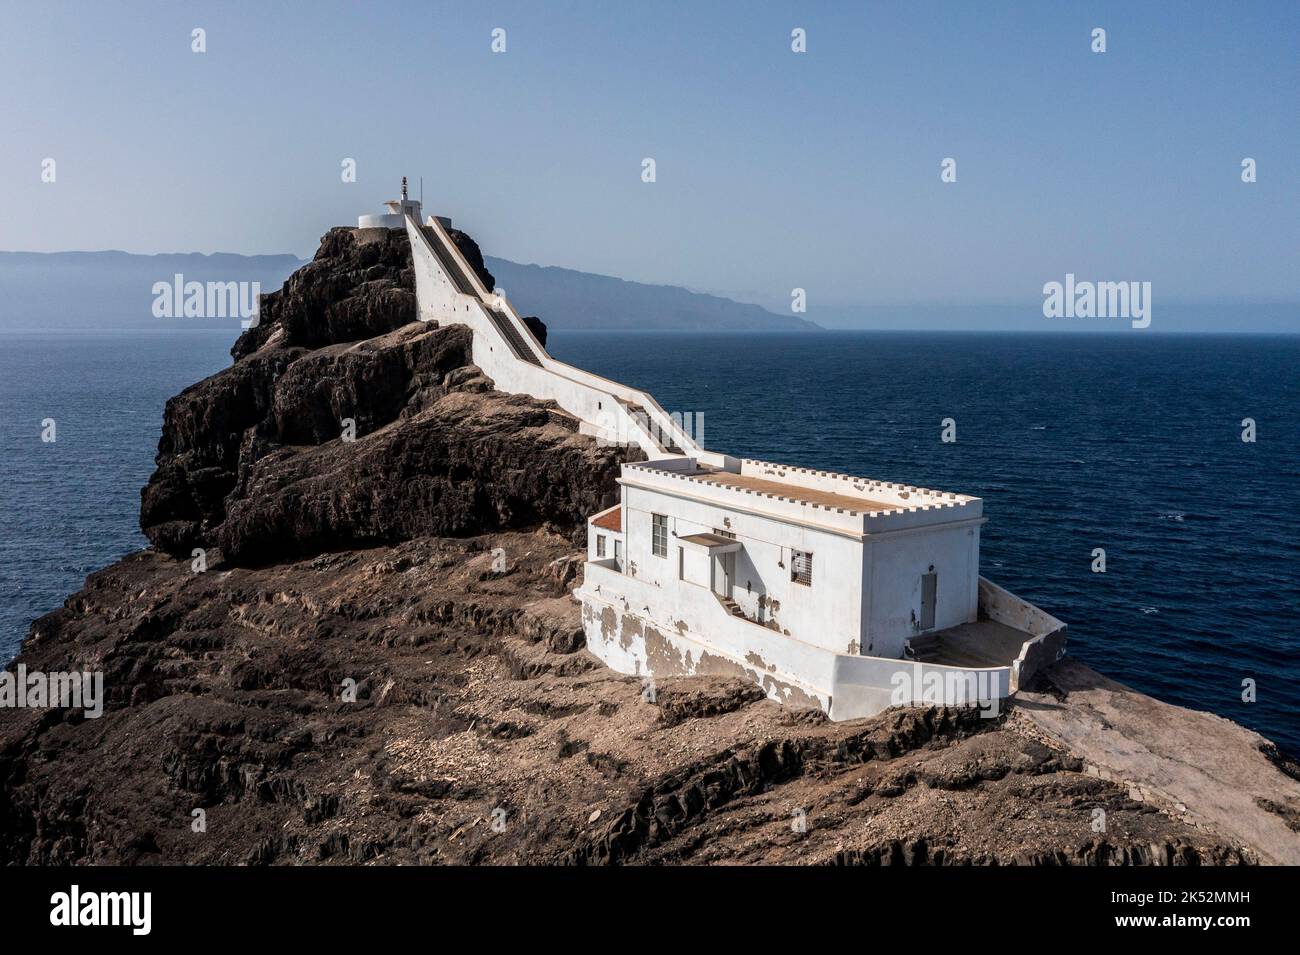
[(600, 545), (727, 534), (659, 535), (801, 567)]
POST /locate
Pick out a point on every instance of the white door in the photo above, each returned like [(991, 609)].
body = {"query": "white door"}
[(929, 586), (723, 570)]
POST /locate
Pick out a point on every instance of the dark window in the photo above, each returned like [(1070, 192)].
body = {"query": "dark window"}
[(801, 567)]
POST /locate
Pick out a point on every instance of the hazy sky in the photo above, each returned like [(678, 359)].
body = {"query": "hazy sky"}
[(774, 169)]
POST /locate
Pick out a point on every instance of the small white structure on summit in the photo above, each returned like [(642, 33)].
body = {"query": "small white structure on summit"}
[(827, 590), (398, 211)]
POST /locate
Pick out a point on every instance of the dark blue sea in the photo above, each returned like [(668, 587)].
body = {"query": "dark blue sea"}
[(1130, 442)]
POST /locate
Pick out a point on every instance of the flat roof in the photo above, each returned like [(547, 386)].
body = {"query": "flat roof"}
[(794, 491), (842, 499)]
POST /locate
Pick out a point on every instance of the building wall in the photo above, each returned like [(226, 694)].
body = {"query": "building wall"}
[(1047, 634), (893, 568), (696, 567), (611, 538), (861, 686), (387, 221), (438, 297), (638, 628), (826, 614)]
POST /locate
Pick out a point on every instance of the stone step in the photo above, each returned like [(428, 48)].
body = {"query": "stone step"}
[(924, 649), (516, 341), (733, 608)]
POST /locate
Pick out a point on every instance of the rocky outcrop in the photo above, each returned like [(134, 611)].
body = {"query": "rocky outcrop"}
[(388, 705), (344, 422), (537, 327), (359, 284)]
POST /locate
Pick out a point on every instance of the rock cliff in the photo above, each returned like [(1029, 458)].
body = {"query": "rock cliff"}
[(381, 662), (345, 422)]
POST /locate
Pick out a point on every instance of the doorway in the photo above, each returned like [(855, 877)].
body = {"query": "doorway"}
[(724, 571), (929, 584)]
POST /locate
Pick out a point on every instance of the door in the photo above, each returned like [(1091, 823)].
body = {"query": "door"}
[(724, 567), (929, 583)]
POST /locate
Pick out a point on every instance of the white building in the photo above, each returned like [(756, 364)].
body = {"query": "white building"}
[(828, 590), (398, 211)]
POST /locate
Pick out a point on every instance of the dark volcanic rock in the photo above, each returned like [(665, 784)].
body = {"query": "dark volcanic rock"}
[(294, 449), (358, 285), (468, 464), (537, 327), (368, 383), (473, 255), (226, 694)]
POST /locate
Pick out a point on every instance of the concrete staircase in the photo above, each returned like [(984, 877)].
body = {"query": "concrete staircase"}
[(661, 437), (577, 391), (731, 607), (922, 649), (450, 265), (511, 334)]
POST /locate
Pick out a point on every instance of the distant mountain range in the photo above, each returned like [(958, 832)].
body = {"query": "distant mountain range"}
[(567, 299), (45, 290)]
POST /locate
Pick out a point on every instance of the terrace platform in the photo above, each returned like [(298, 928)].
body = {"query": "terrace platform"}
[(984, 643)]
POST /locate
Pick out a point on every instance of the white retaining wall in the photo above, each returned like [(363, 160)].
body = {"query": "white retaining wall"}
[(1047, 634), (639, 628)]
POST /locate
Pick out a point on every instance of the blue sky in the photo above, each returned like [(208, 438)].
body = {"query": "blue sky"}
[(775, 169)]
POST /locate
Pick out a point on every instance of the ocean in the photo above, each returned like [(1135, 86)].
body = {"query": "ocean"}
[(1131, 443)]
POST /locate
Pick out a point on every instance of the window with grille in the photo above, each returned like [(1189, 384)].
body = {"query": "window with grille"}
[(801, 567), (727, 534), (659, 535), (600, 545)]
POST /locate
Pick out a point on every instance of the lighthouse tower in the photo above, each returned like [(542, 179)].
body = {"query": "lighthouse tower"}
[(395, 217)]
